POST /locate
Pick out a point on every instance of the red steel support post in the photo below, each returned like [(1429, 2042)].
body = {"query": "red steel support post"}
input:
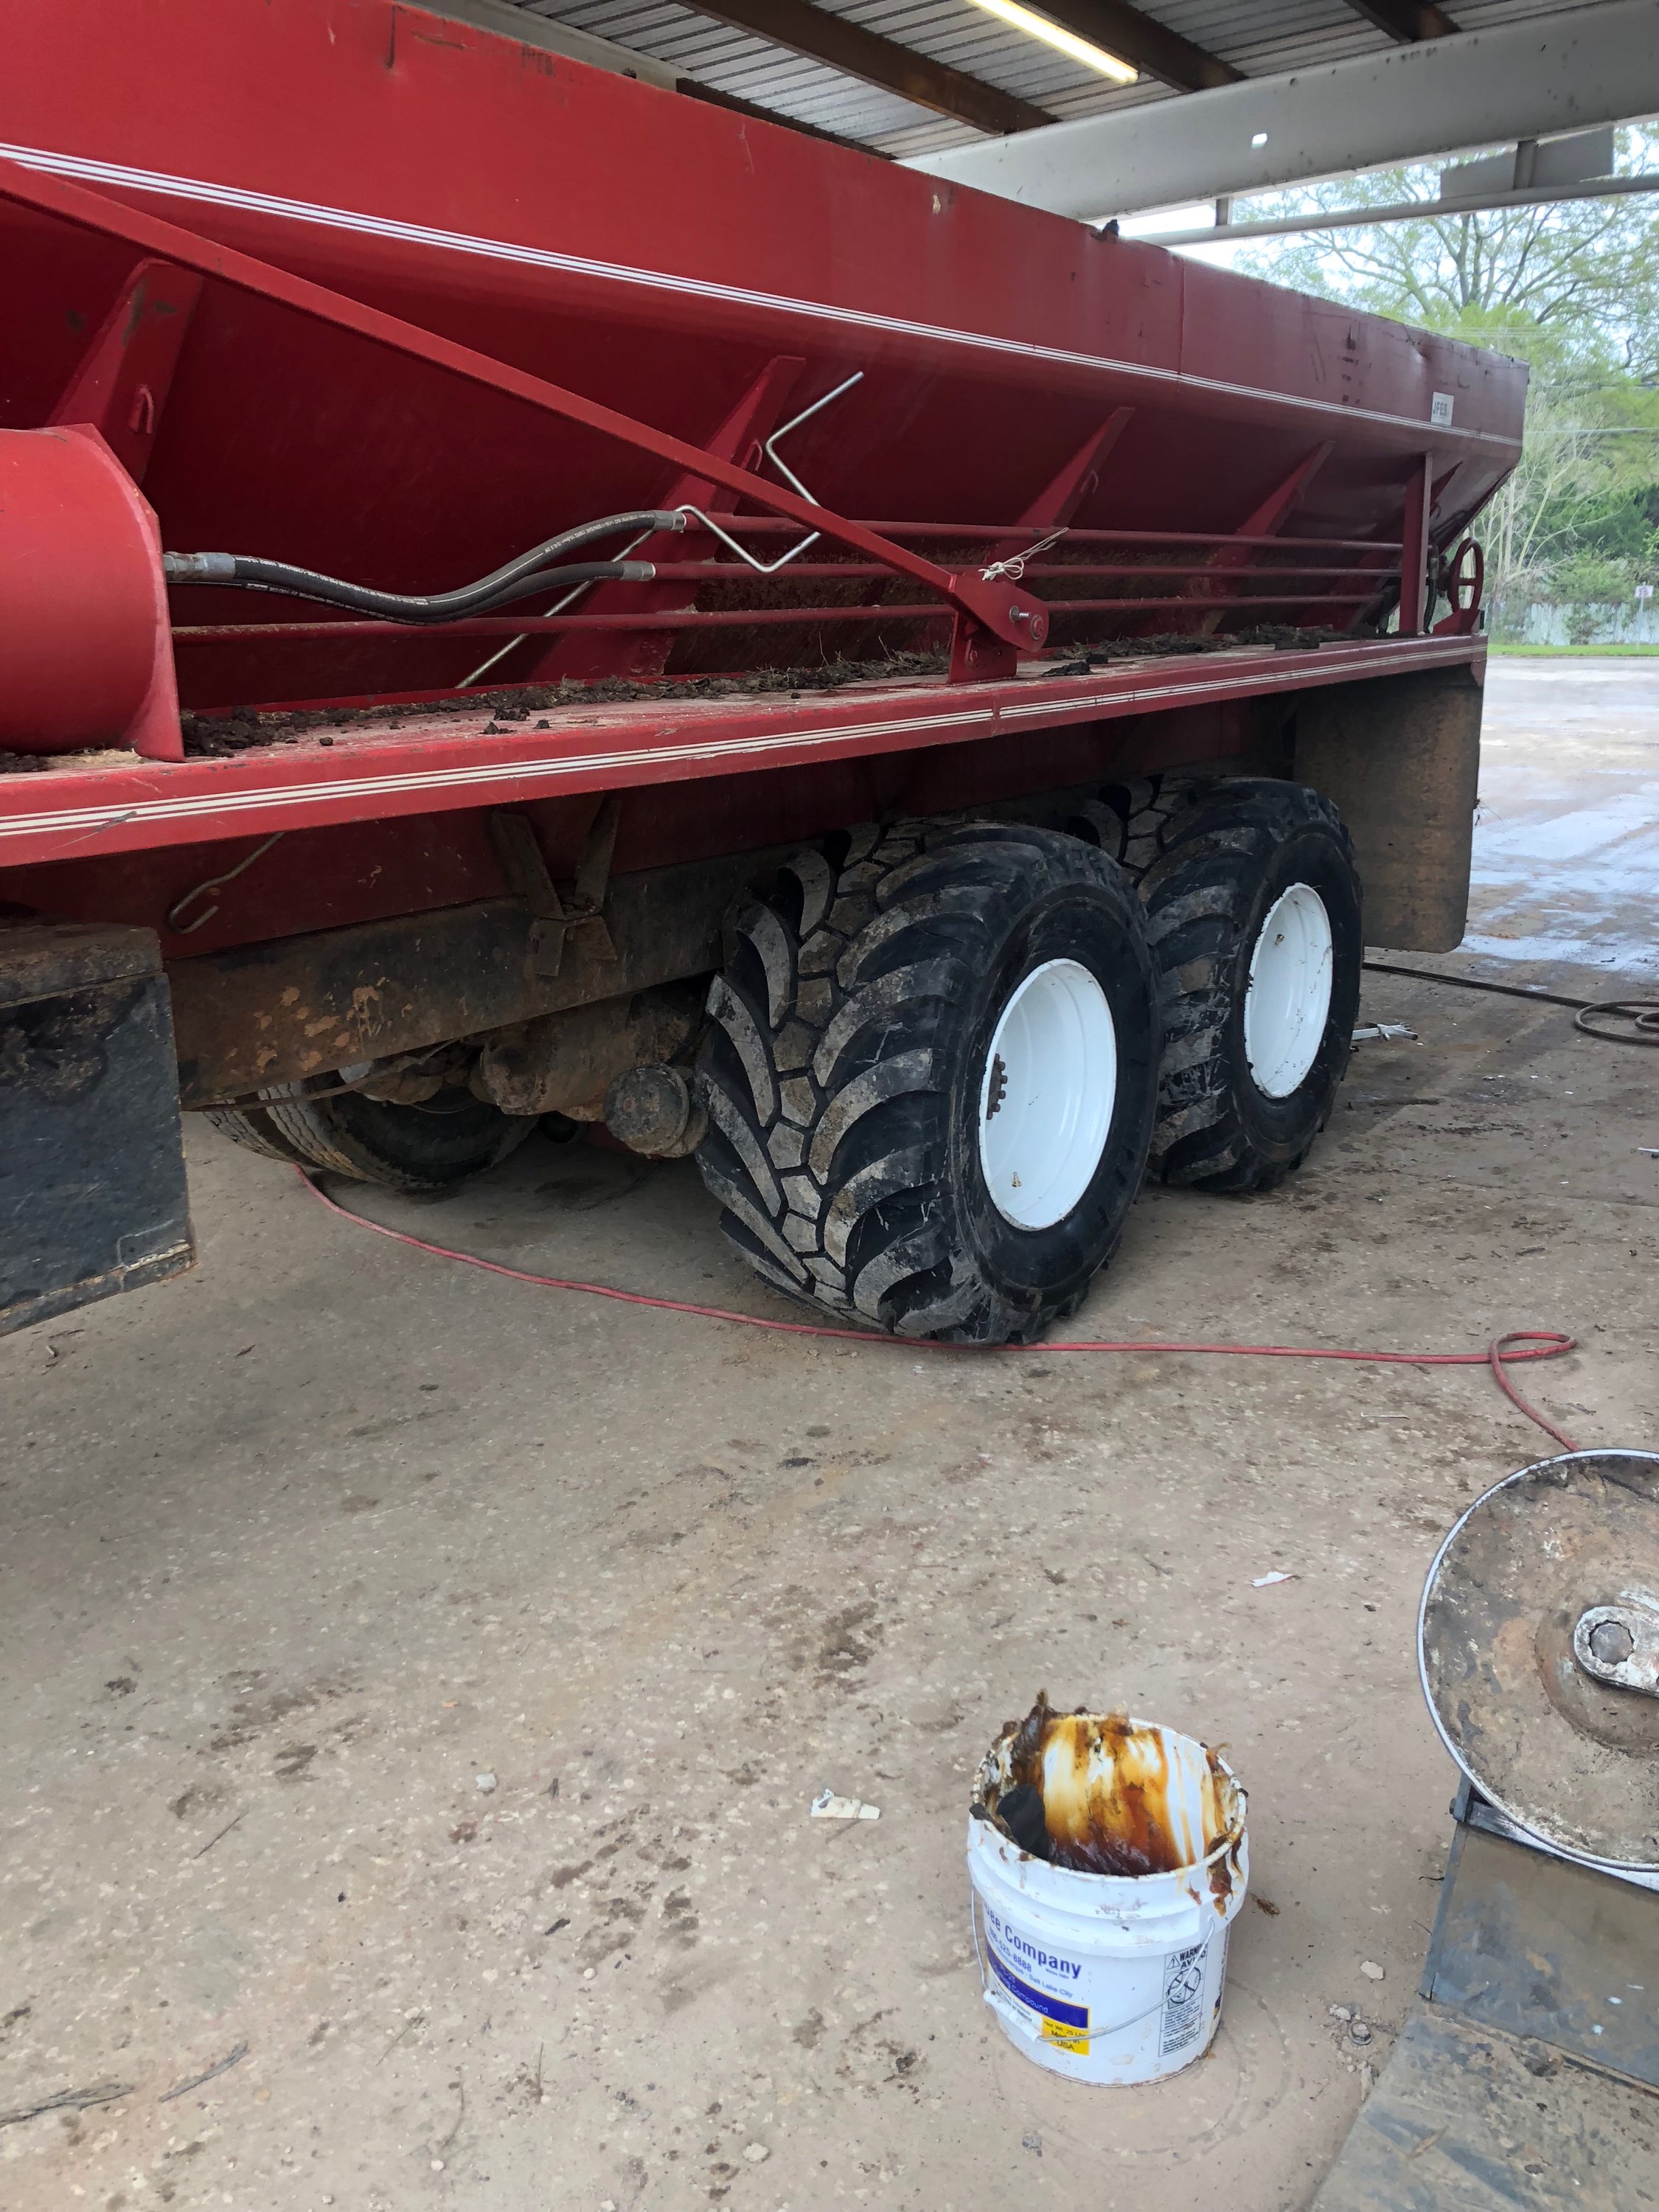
[(1414, 559), (121, 383)]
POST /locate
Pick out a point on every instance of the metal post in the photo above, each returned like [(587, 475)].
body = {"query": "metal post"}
[(1414, 559)]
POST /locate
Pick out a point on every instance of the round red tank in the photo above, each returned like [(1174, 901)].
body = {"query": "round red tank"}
[(83, 609)]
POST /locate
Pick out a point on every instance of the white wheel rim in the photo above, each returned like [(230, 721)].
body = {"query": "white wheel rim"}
[(1046, 1095), (1287, 1001)]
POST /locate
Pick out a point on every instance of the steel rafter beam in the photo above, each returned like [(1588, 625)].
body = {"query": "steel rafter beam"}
[(1407, 21), (1295, 226), (1134, 37), (691, 87), (845, 45), (1565, 72), (510, 20)]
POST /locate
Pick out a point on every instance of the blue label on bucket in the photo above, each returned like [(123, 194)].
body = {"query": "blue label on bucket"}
[(1054, 2009)]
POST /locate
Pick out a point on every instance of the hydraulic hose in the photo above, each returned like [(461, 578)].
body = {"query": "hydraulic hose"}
[(519, 579), (301, 584)]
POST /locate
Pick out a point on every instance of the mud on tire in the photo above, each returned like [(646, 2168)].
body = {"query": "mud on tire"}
[(412, 1148), (845, 1063), (1135, 823), (253, 1127), (1234, 852)]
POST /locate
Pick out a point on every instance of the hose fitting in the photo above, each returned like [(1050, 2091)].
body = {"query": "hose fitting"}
[(199, 567)]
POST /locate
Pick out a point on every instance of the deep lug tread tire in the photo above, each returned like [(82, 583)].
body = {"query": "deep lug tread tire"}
[(251, 1127), (1135, 823), (408, 1148), (1233, 852), (842, 1064)]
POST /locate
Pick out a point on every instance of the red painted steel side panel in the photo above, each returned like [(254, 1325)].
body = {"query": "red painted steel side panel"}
[(578, 188), (660, 258), (326, 869), (655, 253)]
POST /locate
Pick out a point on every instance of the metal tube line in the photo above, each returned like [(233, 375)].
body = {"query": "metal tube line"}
[(735, 618)]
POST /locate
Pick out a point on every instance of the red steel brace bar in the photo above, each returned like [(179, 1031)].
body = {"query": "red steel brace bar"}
[(1012, 616), (729, 572), (989, 532), (715, 618)]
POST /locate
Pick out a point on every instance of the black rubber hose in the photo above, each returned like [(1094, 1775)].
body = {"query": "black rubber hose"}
[(1641, 1014), (573, 572), (300, 584), (528, 573)]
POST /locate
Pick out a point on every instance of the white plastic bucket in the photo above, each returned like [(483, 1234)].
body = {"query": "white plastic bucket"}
[(1112, 1977)]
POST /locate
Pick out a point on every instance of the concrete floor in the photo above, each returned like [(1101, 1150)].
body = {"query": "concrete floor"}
[(1567, 855), (296, 1551)]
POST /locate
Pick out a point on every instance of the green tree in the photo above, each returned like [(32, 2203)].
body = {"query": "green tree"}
[(1572, 287)]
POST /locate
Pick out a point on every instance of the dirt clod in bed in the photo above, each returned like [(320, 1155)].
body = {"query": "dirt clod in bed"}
[(212, 734), (1280, 635), (218, 735)]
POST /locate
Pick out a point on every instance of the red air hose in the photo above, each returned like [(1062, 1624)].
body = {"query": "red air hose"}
[(1502, 1352)]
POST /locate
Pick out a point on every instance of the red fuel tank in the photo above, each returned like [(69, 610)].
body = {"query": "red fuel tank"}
[(85, 656)]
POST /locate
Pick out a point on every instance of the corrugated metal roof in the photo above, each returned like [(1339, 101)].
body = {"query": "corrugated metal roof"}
[(1261, 39)]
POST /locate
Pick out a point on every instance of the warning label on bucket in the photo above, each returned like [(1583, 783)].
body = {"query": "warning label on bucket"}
[(1066, 2024), (1184, 1997)]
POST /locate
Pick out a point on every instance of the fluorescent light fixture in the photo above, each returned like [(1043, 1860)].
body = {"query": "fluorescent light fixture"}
[(1063, 41)]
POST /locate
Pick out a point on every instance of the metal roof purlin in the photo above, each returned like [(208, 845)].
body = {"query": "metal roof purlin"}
[(1136, 37), (1407, 21), (847, 47)]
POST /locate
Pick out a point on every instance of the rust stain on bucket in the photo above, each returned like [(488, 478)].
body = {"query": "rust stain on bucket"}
[(1110, 1802)]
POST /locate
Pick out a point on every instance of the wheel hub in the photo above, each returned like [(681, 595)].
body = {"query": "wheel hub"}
[(1287, 1001), (1048, 1094)]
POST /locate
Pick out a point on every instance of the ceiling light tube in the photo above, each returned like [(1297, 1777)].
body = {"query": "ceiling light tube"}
[(1063, 41)]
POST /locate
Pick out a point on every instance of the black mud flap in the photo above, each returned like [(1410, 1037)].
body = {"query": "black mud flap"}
[(92, 1162)]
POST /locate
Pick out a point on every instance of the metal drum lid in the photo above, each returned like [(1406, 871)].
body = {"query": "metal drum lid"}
[(1538, 1643)]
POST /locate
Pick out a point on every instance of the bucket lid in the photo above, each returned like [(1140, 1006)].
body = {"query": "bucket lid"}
[(1538, 1644)]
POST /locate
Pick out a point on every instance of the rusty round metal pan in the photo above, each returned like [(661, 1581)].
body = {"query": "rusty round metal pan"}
[(1573, 1759)]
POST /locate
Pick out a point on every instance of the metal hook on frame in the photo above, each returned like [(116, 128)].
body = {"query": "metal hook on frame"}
[(770, 450), (212, 884)]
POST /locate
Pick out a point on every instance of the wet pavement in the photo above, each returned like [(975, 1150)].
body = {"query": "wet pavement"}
[(1566, 848)]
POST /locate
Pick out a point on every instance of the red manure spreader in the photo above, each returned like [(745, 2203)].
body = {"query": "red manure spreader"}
[(525, 593)]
